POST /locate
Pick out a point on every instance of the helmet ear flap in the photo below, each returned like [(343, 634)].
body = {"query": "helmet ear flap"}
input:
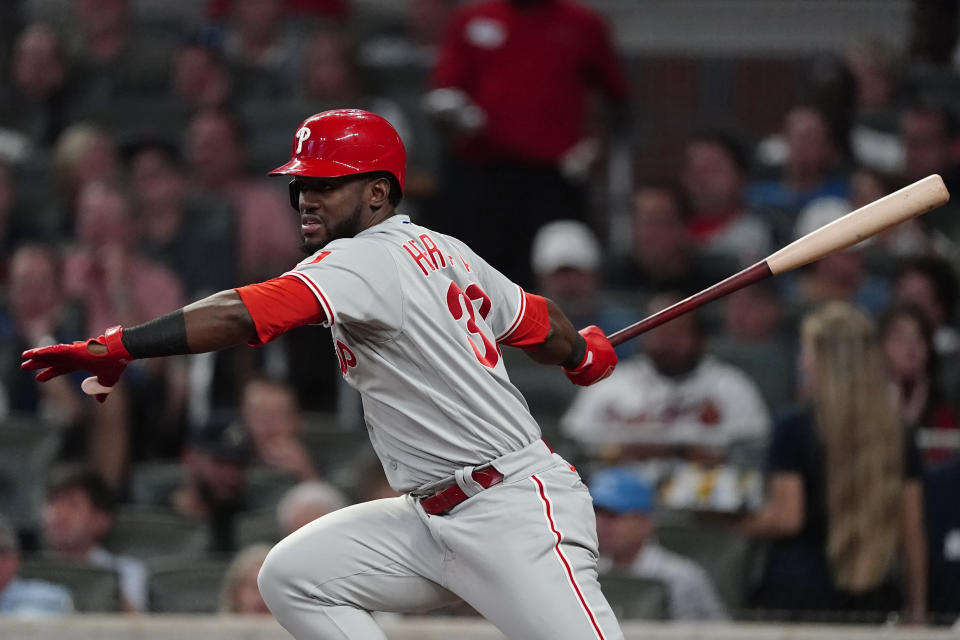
[(294, 195)]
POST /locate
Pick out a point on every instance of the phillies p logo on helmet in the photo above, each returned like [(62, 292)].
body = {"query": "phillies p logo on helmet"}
[(343, 142), (302, 134)]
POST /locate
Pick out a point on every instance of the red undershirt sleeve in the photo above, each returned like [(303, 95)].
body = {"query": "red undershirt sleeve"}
[(534, 324), (279, 305)]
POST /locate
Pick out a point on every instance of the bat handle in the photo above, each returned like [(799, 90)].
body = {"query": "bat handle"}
[(748, 276)]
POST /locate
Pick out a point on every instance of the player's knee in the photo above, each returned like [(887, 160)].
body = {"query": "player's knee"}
[(272, 580)]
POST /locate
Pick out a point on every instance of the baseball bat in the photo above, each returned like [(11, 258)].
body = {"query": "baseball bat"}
[(870, 219)]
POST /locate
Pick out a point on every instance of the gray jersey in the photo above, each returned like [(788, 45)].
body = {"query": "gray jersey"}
[(416, 318)]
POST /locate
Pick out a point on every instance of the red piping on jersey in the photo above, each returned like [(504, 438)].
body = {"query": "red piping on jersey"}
[(317, 291), (278, 305), (516, 321), (548, 511), (532, 325)]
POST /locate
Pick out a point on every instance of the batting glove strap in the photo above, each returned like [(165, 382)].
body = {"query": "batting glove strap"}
[(598, 362), (112, 339)]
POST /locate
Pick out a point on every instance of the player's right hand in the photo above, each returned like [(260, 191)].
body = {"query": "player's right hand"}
[(598, 362), (105, 357)]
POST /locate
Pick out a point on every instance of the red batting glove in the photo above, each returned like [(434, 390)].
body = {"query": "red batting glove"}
[(59, 359), (598, 362)]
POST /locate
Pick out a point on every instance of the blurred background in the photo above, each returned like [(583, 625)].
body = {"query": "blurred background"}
[(613, 155)]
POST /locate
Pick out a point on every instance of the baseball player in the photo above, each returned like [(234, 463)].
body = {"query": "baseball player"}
[(489, 514)]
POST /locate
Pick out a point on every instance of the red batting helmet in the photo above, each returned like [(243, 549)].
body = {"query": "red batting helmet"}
[(344, 142)]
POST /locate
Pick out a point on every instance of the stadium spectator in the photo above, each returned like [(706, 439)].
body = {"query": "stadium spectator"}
[(928, 133), (930, 284), (907, 342), (36, 102), (567, 260), (265, 228), (190, 234), (714, 177), (332, 78), (845, 499), (215, 461), (757, 337), (307, 501), (111, 59), (264, 55), (21, 597), (37, 312), (672, 400), (77, 515), (623, 501), (808, 170), (874, 69), (199, 76), (83, 153), (663, 257), (239, 593), (271, 415), (841, 275), (512, 85)]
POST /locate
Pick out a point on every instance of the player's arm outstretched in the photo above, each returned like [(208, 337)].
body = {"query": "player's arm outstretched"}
[(586, 356), (248, 315)]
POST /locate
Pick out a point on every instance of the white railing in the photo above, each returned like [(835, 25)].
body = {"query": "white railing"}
[(233, 628)]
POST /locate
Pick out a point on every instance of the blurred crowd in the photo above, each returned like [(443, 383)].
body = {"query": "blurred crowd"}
[(791, 452)]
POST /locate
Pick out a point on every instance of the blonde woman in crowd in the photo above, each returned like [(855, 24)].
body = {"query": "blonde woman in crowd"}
[(239, 593), (845, 508)]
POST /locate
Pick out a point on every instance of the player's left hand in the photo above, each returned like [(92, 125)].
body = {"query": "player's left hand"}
[(598, 361), (105, 357)]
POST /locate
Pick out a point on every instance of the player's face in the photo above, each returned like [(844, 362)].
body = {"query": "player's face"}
[(330, 208)]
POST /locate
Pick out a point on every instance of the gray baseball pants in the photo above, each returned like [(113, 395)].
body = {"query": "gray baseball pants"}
[(523, 553)]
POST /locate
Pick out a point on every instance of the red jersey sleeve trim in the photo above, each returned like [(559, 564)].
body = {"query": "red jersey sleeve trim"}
[(532, 324), (517, 318), (278, 305), (331, 314)]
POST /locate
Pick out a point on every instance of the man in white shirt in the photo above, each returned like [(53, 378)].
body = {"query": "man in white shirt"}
[(623, 501), (670, 401)]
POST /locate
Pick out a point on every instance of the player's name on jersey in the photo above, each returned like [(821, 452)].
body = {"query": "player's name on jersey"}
[(429, 257)]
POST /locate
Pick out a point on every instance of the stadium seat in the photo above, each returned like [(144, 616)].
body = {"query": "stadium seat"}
[(94, 589), (185, 585), (251, 527), (770, 364), (332, 447), (151, 532), (266, 486), (725, 555), (631, 597), (27, 448), (151, 483)]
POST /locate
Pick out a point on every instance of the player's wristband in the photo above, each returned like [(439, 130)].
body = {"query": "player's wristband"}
[(113, 340), (577, 353), (163, 336)]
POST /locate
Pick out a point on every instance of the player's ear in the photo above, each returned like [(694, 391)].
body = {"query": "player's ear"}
[(378, 192)]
